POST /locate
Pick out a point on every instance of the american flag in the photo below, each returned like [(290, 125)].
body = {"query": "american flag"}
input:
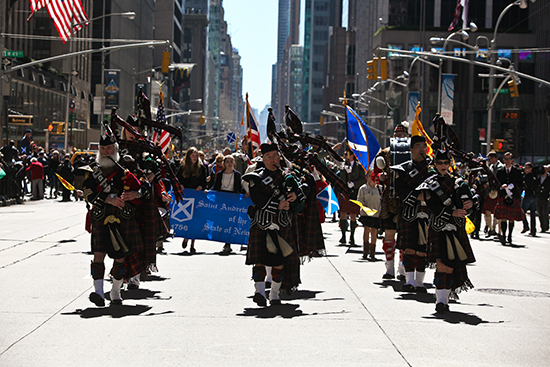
[(64, 13), (460, 10), (161, 137)]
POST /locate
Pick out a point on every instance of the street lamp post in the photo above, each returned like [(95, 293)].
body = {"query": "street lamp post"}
[(492, 60)]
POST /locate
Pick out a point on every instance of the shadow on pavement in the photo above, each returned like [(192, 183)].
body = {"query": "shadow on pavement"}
[(454, 317), (418, 297), (115, 312), (143, 294), (285, 310), (300, 294), (155, 278)]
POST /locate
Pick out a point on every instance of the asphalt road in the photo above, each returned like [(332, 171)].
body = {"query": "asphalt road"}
[(197, 310)]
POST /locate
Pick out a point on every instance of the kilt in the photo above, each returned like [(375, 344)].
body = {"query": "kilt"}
[(347, 206), (460, 281), (437, 248), (389, 223), (128, 228), (134, 264), (509, 212), (408, 234), (151, 226), (310, 232), (372, 222), (489, 204)]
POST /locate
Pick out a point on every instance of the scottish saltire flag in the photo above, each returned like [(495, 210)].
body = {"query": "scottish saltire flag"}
[(361, 140), (231, 138), (328, 200)]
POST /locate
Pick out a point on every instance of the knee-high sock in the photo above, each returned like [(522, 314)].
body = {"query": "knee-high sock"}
[(510, 228), (503, 227), (115, 290)]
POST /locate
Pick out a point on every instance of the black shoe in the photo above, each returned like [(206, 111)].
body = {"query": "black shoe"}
[(116, 302), (133, 286), (421, 290), (502, 240), (343, 239), (532, 234), (388, 276), (408, 288), (492, 233), (184, 243), (259, 300), (441, 308), (275, 302), (524, 230), (509, 240), (96, 299), (401, 278)]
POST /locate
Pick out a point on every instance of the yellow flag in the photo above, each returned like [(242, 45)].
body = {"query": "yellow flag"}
[(418, 129), (65, 183), (470, 227), (370, 212)]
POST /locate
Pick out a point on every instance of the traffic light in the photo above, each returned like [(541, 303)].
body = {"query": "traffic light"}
[(383, 68), (500, 145), (513, 88), (60, 126), (202, 120), (50, 127), (165, 62), (372, 69), (322, 120)]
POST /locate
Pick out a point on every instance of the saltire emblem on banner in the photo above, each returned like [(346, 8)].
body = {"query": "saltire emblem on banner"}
[(231, 138), (361, 140), (329, 201)]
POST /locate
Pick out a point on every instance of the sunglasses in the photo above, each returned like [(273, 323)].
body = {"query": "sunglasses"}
[(442, 162), (507, 159)]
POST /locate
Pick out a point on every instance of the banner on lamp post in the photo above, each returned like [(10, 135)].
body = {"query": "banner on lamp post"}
[(447, 97), (414, 97), (112, 88)]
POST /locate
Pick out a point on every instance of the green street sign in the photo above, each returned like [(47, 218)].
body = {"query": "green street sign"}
[(72, 117), (10, 53)]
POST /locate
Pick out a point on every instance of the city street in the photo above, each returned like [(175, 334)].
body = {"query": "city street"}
[(198, 310)]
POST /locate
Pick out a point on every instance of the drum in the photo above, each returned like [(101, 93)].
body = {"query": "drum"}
[(400, 150)]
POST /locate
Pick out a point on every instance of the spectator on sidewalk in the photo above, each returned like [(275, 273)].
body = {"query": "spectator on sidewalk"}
[(65, 170), (530, 198), (542, 203), (54, 162), (36, 172)]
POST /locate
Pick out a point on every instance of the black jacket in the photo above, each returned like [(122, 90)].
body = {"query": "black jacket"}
[(531, 183), (544, 188), (515, 176), (237, 186)]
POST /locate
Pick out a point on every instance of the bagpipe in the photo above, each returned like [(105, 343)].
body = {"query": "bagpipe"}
[(306, 155), (142, 144), (446, 138)]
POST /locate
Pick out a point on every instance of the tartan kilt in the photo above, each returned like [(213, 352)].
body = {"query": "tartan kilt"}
[(509, 212), (128, 228), (151, 226), (437, 248), (389, 223), (408, 233), (134, 264), (460, 282), (310, 232), (257, 253), (347, 206), (489, 204)]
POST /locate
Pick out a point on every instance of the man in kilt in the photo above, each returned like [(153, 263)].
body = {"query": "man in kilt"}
[(354, 175), (449, 199), (389, 208), (113, 192), (490, 202), (413, 217), (508, 208), (272, 241)]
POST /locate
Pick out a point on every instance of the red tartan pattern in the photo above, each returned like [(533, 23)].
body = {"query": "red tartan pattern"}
[(489, 204), (310, 232), (347, 206), (509, 212)]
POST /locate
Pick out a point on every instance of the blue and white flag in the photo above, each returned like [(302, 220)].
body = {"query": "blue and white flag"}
[(328, 200), (231, 138), (361, 140), (214, 215)]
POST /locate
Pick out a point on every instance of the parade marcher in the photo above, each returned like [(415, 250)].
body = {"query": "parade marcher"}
[(448, 200), (80, 161), (241, 159), (490, 202), (530, 199), (10, 152), (36, 171), (228, 180), (192, 176), (354, 175), (508, 207), (271, 241), (543, 195), (413, 217), (389, 208), (370, 195), (113, 192), (45, 164)]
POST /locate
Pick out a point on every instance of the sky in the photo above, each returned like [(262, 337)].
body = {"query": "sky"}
[(252, 25)]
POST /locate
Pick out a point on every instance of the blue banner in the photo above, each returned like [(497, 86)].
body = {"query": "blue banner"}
[(361, 140), (214, 215), (447, 97)]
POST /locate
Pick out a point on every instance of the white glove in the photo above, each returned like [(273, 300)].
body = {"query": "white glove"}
[(348, 169), (380, 162), (351, 184), (316, 174), (509, 190)]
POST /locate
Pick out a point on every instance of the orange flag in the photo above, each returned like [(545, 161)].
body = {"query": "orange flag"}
[(65, 183), (418, 129)]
